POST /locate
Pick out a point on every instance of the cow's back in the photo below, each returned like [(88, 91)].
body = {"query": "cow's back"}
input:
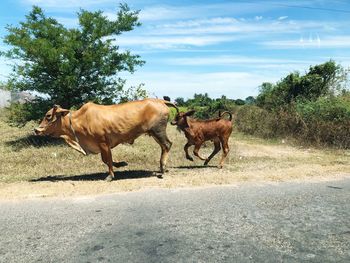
[(122, 122)]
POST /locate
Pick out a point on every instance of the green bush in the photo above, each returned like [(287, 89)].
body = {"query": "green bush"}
[(18, 114), (327, 121), (334, 109), (173, 112), (322, 122), (256, 121), (211, 110)]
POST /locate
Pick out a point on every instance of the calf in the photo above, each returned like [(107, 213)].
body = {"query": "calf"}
[(198, 131), (98, 128)]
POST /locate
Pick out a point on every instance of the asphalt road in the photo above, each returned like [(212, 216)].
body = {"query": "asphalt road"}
[(285, 222)]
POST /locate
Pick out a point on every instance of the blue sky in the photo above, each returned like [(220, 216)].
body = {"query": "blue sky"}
[(219, 47)]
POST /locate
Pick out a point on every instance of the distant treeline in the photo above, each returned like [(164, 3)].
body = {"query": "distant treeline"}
[(313, 108), (207, 107)]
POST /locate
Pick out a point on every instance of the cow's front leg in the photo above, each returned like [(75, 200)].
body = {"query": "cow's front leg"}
[(106, 155)]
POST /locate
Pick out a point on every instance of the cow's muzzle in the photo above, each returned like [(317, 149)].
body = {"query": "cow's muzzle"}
[(38, 131)]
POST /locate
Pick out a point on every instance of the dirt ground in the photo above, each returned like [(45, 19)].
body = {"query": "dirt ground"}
[(33, 168)]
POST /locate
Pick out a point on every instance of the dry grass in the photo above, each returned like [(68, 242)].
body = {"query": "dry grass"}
[(33, 168)]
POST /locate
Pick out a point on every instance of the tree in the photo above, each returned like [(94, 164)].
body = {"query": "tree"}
[(74, 65), (200, 100), (239, 102), (133, 93), (322, 80), (250, 100), (180, 101)]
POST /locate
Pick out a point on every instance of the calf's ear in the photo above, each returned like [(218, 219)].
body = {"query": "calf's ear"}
[(189, 113)]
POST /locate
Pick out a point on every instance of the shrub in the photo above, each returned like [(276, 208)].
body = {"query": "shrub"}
[(18, 114), (322, 122), (327, 121), (256, 121)]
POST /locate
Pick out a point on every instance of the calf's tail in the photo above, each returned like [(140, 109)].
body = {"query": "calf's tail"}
[(225, 112)]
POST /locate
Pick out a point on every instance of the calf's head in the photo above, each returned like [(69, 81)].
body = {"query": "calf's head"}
[(181, 119), (51, 124)]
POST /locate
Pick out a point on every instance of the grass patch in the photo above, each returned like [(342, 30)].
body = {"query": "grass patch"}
[(33, 166)]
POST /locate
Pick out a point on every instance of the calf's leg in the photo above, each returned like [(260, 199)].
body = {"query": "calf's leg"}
[(188, 156), (197, 146), (226, 149), (106, 155), (217, 149)]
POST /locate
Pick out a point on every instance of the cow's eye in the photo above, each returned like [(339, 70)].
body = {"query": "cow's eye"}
[(48, 117)]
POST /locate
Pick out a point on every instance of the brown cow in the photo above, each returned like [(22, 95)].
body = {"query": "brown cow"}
[(198, 131), (98, 128)]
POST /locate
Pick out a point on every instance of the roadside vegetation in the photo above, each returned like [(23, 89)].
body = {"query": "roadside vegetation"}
[(71, 66), (37, 166), (313, 108)]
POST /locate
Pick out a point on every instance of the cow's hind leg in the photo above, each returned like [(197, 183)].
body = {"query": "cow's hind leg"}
[(159, 134), (106, 155), (217, 149)]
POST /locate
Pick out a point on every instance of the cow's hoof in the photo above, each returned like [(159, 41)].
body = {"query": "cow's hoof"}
[(189, 158), (109, 178), (220, 166), (206, 162), (160, 176)]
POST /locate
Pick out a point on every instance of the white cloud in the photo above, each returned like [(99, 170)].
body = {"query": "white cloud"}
[(184, 84), (252, 62), (228, 25), (68, 22), (66, 4), (256, 65), (217, 30), (200, 22), (168, 42), (164, 13), (167, 12), (282, 18), (328, 42)]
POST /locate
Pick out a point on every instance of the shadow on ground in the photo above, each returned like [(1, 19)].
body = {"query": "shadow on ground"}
[(119, 175), (33, 141), (195, 166)]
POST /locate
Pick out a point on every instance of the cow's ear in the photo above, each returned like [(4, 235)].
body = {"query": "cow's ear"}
[(62, 112), (189, 113), (54, 109)]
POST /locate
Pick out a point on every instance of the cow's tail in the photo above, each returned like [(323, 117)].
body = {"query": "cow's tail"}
[(170, 104), (221, 114)]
